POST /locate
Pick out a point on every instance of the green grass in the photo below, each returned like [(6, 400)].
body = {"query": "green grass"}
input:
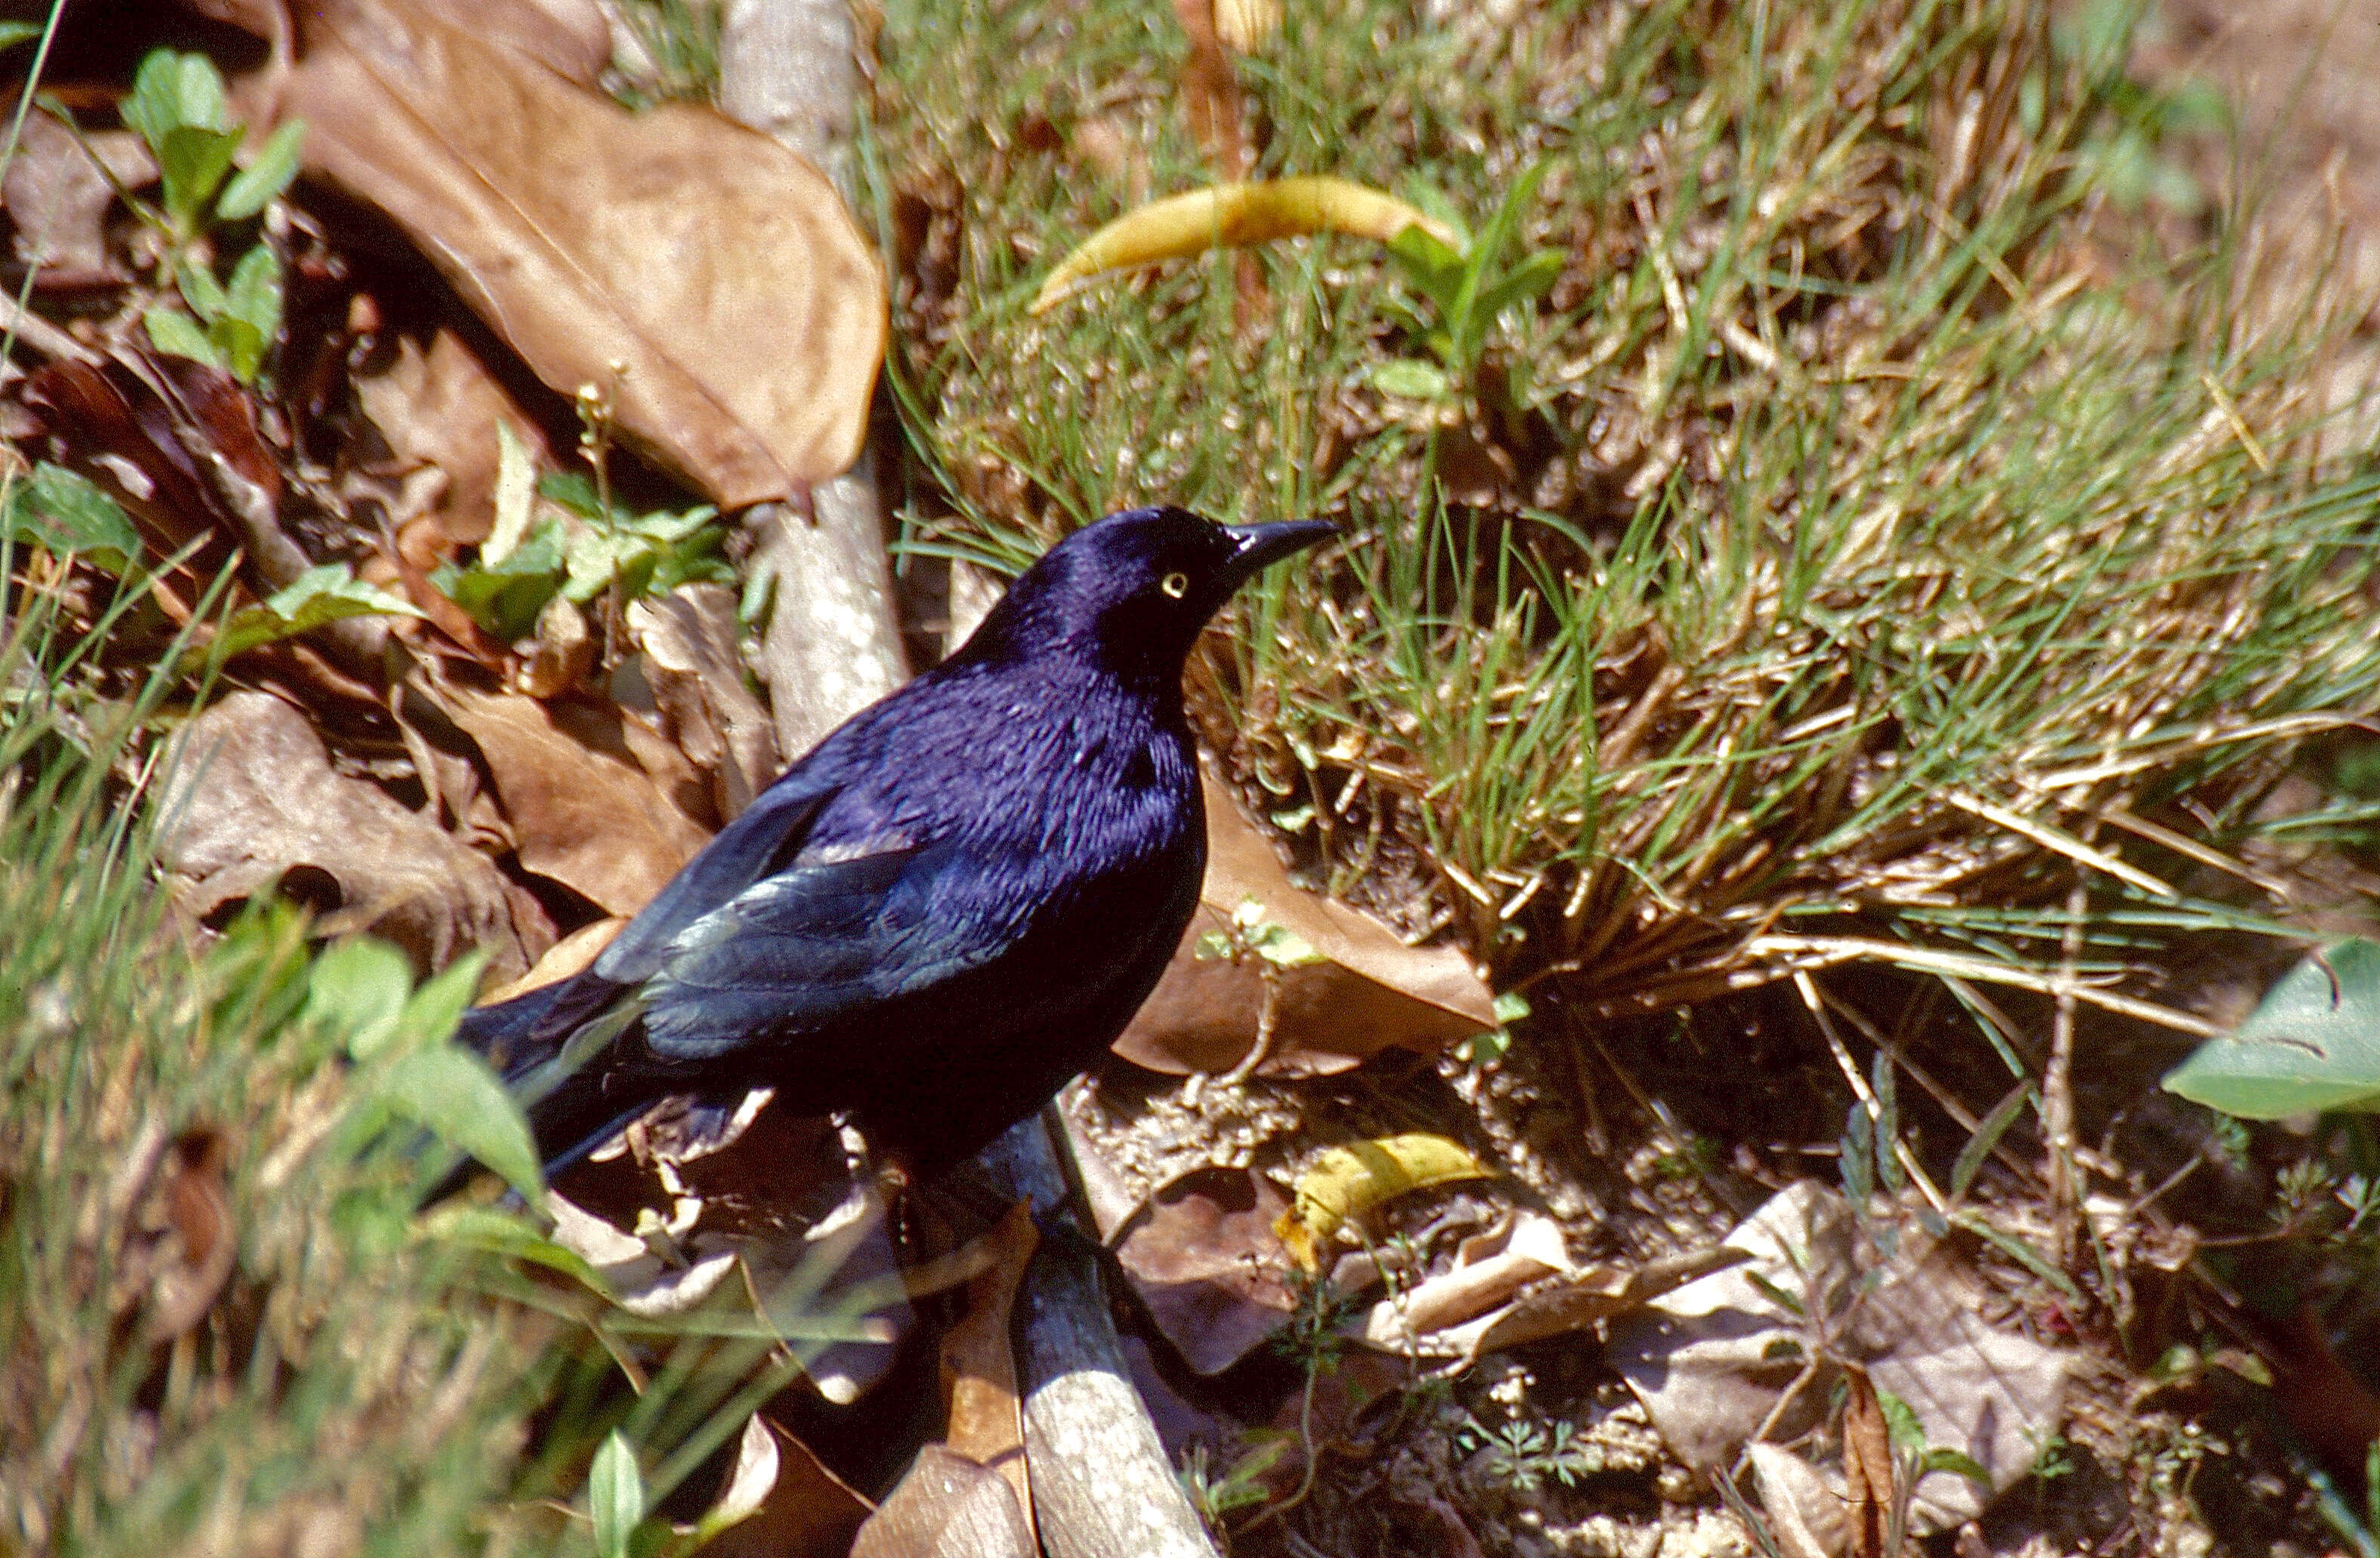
[(1883, 480), (226, 1327)]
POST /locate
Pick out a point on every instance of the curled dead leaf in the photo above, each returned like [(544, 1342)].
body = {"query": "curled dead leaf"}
[(1207, 1262), (251, 800), (696, 673), (708, 278), (987, 1425), (438, 410), (1365, 990), (806, 1512), (584, 810), (1232, 215), (947, 1507)]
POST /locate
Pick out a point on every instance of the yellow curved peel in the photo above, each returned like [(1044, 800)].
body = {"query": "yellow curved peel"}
[(1346, 1182), (1234, 215)]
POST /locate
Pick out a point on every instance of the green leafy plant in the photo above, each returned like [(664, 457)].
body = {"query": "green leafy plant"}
[(325, 593), (60, 511), (177, 106), (602, 550), (1468, 286), (2311, 1044), (1216, 1492), (1522, 1454)]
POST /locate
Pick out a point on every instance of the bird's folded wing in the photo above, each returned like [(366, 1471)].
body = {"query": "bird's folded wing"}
[(816, 946), (769, 833)]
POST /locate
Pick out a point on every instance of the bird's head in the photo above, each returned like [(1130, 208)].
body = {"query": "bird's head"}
[(1136, 587)]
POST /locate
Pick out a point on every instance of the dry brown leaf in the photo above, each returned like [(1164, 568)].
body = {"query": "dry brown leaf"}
[(987, 1425), (187, 1233), (1711, 1361), (438, 410), (573, 953), (810, 1512), (1489, 1268), (1207, 1263), (252, 798), (1210, 91), (1371, 990), (1867, 1466), (692, 661), (58, 201), (947, 1507), (583, 809), (1803, 1505), (706, 277)]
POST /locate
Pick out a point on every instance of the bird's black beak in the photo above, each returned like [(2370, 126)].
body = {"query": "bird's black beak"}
[(1254, 546)]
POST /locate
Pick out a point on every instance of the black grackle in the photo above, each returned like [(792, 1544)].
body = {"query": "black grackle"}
[(952, 904)]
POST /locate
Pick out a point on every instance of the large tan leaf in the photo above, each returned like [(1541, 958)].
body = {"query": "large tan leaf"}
[(1367, 991), (253, 797), (719, 271), (583, 812)]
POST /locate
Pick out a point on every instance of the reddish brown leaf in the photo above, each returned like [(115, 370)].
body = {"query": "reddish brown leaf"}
[(1867, 1466), (1206, 1262), (1371, 991), (583, 810), (709, 279)]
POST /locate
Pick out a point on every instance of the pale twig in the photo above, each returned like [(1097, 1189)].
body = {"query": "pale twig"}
[(2057, 1086)]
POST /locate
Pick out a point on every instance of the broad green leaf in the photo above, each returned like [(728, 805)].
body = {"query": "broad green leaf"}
[(615, 1496), (1901, 1422), (435, 1009), (1430, 262), (199, 94), (255, 291), (505, 595), (597, 558), (504, 1233), (323, 594), (357, 989), (241, 345), (2312, 1043), (253, 187), (178, 335), (457, 1095), (1942, 1458), (199, 289), (1411, 378), (191, 164), (60, 511), (15, 32)]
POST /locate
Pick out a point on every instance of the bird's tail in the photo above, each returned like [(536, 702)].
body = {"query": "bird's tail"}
[(540, 1044)]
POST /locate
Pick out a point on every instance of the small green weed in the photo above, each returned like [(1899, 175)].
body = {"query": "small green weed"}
[(177, 106)]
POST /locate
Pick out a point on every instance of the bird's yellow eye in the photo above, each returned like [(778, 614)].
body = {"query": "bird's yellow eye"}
[(1174, 585)]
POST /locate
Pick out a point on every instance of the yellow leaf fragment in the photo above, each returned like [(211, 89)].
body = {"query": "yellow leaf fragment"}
[(1346, 1182), (1234, 215)]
